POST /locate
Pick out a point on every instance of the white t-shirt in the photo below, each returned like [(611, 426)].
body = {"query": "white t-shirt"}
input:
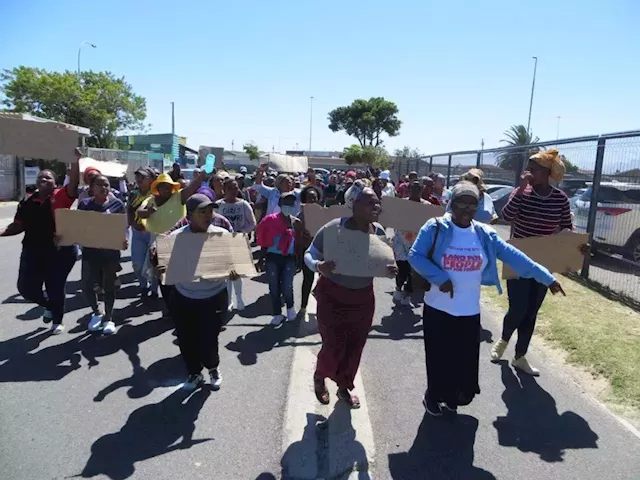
[(239, 214), (464, 260)]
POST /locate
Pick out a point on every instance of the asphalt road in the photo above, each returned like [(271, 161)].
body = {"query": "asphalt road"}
[(81, 405)]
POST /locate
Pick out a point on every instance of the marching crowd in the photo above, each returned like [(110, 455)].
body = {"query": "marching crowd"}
[(447, 261)]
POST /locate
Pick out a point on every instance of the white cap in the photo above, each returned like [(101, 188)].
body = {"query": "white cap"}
[(243, 169)]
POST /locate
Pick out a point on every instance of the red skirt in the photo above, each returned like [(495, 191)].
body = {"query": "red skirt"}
[(344, 320)]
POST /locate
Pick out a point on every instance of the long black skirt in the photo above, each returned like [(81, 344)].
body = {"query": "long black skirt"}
[(452, 350)]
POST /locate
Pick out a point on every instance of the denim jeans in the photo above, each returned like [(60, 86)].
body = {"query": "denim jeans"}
[(280, 272), (139, 246), (49, 267)]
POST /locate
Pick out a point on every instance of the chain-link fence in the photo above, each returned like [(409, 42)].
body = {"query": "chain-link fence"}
[(603, 186)]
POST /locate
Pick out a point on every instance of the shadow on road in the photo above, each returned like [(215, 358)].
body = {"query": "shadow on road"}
[(151, 430), (550, 433), (403, 321), (443, 449)]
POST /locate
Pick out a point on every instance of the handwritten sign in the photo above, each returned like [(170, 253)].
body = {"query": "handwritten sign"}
[(315, 216), (91, 229), (560, 253), (356, 253), (210, 256), (405, 215)]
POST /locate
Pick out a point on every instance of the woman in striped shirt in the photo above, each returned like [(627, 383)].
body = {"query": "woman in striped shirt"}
[(535, 209)]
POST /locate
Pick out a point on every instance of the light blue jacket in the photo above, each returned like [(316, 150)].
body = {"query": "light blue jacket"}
[(494, 248)]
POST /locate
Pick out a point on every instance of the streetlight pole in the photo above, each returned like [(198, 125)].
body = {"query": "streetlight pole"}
[(84, 42), (310, 123), (558, 128), (533, 86)]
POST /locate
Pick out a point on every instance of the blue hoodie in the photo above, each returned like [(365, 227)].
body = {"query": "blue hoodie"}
[(494, 248)]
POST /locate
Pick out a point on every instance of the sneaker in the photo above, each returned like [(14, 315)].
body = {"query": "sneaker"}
[(109, 328), (498, 350), (433, 408), (406, 301), (216, 378), (398, 296), (239, 305), (47, 316), (57, 329), (291, 314), (277, 320), (523, 365), (95, 323), (193, 382)]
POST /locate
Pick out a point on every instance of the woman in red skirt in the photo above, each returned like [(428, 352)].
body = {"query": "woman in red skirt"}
[(345, 304)]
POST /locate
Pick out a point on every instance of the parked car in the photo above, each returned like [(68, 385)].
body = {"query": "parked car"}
[(577, 196), (570, 186), (490, 188), (617, 227), (500, 198)]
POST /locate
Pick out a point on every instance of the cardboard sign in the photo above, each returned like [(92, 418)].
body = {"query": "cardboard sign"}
[(559, 253), (210, 256), (316, 217), (356, 253), (405, 215), (108, 169), (32, 139), (91, 229)]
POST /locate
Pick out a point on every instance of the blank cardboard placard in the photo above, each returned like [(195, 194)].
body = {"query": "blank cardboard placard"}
[(405, 215), (315, 216), (31, 139), (560, 253), (356, 253), (210, 256), (91, 229), (109, 169)]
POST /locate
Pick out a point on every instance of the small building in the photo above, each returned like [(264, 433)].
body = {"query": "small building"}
[(167, 147)]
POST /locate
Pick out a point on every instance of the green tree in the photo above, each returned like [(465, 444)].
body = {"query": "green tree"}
[(517, 136), (252, 151), (571, 168), (369, 155), (101, 102), (366, 120), (407, 153)]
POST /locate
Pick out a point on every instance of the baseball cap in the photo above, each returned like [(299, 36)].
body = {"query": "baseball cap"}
[(196, 201), (243, 169)]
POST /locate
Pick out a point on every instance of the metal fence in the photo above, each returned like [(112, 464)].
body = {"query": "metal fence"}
[(605, 167)]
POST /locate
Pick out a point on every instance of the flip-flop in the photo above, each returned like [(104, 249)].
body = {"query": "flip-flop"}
[(352, 400), (322, 394)]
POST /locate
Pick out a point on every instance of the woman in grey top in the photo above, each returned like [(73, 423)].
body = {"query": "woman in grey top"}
[(345, 304)]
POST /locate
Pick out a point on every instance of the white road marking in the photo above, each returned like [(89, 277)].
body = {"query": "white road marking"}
[(323, 441)]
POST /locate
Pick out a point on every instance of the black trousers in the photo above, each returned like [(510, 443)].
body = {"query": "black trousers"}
[(307, 282), (404, 276), (525, 299), (102, 273), (198, 324)]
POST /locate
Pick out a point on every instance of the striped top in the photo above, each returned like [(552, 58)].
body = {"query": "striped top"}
[(535, 216)]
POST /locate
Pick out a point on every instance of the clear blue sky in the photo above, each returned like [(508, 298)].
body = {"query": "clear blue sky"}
[(240, 70)]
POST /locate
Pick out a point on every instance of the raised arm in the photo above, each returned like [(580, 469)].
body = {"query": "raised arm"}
[(74, 175), (193, 187)]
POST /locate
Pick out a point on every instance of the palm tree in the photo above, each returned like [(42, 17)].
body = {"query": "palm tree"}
[(517, 136)]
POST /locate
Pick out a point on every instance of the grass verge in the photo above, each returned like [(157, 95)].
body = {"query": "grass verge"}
[(600, 335)]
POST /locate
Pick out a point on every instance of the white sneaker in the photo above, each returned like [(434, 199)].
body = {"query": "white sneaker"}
[(47, 316), (109, 328), (291, 314), (193, 382), (398, 296), (57, 329), (277, 320), (239, 305), (406, 301), (498, 350), (95, 323), (216, 378), (523, 365)]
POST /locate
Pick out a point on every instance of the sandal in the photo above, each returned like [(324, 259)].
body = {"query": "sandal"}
[(322, 394), (352, 400)]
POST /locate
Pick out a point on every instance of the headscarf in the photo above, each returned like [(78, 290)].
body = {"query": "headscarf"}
[(353, 193), (463, 189), (87, 173), (550, 159), (475, 176)]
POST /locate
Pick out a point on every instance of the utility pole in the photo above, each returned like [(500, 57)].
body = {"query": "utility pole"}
[(533, 86), (84, 42), (558, 128), (232, 145), (310, 123), (173, 118)]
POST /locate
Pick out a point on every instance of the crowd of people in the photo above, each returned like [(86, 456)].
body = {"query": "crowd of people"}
[(447, 260)]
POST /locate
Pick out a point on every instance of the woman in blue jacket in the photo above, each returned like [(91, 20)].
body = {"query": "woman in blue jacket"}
[(457, 255)]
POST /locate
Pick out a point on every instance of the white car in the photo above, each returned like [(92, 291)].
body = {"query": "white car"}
[(617, 219)]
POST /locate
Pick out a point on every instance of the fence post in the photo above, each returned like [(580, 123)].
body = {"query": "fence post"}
[(479, 159), (430, 164), (593, 201), (448, 171), (417, 165)]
